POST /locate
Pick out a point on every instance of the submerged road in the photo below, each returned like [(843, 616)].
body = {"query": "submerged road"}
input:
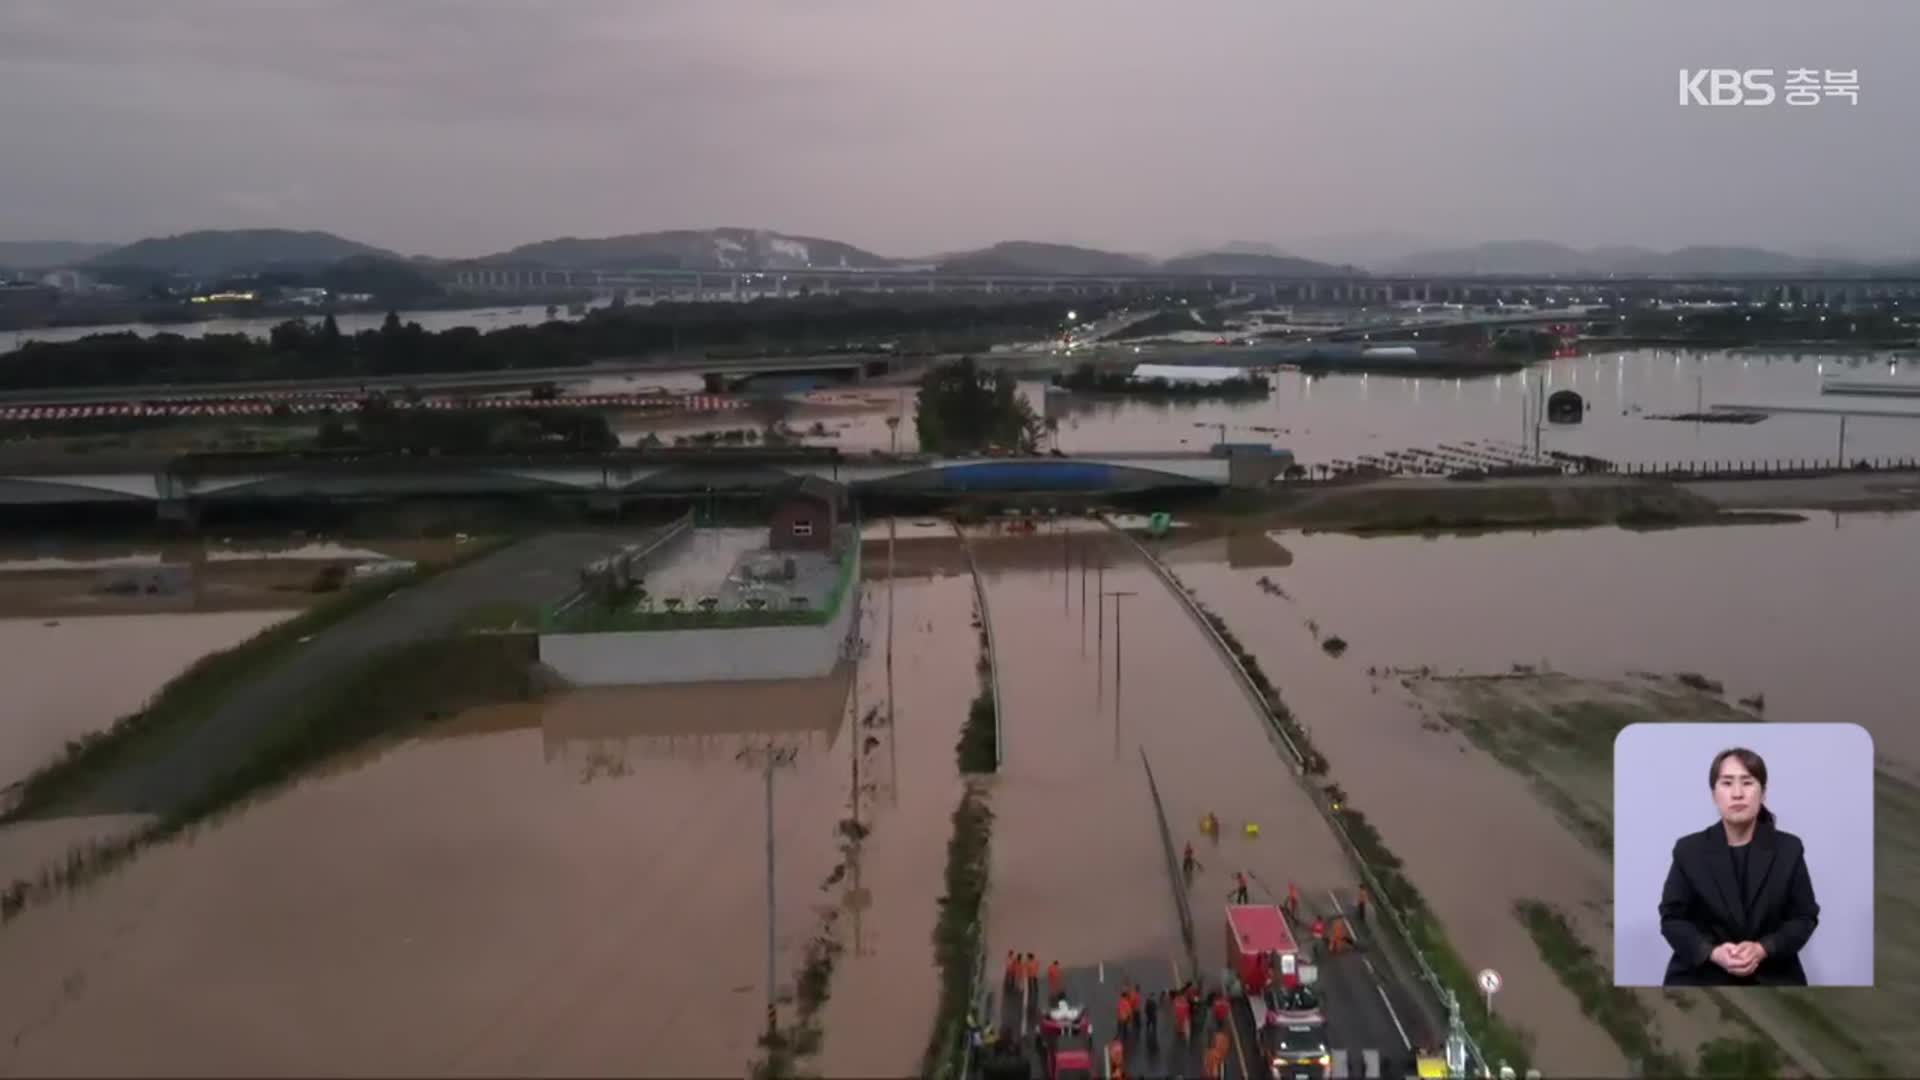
[(1096, 893), (528, 573)]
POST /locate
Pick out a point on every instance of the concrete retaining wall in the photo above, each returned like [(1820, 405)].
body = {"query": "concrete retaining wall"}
[(682, 656)]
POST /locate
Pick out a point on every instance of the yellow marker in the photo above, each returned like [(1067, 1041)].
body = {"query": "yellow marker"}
[(1252, 829)]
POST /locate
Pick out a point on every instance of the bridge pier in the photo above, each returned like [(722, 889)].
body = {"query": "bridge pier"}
[(178, 511)]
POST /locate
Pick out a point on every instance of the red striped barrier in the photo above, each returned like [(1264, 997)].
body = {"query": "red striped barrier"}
[(310, 403)]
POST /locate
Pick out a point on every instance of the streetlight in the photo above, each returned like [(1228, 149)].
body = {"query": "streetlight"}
[(769, 758)]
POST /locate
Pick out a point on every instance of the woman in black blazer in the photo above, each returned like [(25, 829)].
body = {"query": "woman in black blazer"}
[(1738, 905)]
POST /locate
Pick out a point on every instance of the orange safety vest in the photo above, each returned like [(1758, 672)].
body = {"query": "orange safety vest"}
[(1033, 969), (1054, 977)]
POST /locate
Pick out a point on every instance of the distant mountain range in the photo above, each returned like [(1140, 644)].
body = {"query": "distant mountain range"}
[(218, 252), (693, 249), (213, 252)]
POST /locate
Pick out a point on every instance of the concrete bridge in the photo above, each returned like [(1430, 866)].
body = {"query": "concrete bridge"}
[(646, 283), (180, 487)]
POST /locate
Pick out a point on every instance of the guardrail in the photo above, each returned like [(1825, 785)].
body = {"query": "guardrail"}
[(1174, 872), (674, 530), (993, 651), (1434, 984)]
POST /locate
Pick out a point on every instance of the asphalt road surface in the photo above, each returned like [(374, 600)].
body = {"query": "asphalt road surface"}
[(1363, 1026), (531, 572)]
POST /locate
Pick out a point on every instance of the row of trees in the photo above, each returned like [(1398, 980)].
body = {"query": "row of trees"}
[(299, 349), (381, 429)]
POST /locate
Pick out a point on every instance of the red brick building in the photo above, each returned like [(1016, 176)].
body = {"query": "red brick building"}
[(805, 515)]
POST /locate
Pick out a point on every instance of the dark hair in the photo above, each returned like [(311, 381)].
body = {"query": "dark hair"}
[(1755, 765)]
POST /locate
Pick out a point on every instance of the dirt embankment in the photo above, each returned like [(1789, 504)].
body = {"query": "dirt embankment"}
[(1859, 491), (1402, 506), (1557, 731)]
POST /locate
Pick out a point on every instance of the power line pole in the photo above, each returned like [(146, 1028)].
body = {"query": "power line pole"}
[(1083, 603), (769, 758), (1117, 684), (850, 651), (1100, 658), (893, 739)]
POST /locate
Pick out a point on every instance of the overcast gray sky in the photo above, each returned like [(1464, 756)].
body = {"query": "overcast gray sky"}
[(460, 127)]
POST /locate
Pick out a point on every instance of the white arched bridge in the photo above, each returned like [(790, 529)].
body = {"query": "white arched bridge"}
[(212, 479)]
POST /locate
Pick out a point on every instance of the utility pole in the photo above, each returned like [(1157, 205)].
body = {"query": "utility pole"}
[(893, 733), (850, 651), (1066, 569), (1083, 604), (1117, 685), (1843, 441), (1100, 658), (769, 758)]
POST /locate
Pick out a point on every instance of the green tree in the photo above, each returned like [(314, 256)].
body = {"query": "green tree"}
[(965, 408)]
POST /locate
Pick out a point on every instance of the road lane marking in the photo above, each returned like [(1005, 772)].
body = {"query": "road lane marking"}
[(1378, 988), (1233, 1025)]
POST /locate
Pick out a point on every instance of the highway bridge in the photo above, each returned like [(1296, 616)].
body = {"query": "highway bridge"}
[(1354, 288), (851, 366), (181, 486)]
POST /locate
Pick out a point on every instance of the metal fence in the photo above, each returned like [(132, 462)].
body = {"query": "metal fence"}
[(1434, 983), (578, 618), (1174, 872), (993, 652)]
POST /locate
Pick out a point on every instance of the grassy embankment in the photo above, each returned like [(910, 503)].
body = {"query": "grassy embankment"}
[(187, 699), (388, 696), (1557, 731), (957, 931), (1497, 1040)]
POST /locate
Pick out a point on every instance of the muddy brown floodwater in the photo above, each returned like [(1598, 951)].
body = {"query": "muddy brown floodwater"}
[(67, 677), (573, 887), (569, 888), (1079, 869), (886, 988), (1807, 614)]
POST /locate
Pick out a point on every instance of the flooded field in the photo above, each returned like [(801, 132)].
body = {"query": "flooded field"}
[(56, 579), (1079, 869), (885, 987), (1323, 418), (576, 886), (1742, 605), (67, 677)]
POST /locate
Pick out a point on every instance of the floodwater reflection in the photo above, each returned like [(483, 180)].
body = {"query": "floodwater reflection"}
[(457, 905), (1079, 868), (1810, 615), (570, 887)]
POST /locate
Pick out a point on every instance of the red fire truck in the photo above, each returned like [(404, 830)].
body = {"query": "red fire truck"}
[(1279, 989)]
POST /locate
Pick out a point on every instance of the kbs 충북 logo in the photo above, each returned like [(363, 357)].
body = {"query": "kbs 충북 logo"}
[(1756, 86)]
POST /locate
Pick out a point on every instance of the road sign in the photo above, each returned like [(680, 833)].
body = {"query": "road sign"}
[(1490, 981)]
